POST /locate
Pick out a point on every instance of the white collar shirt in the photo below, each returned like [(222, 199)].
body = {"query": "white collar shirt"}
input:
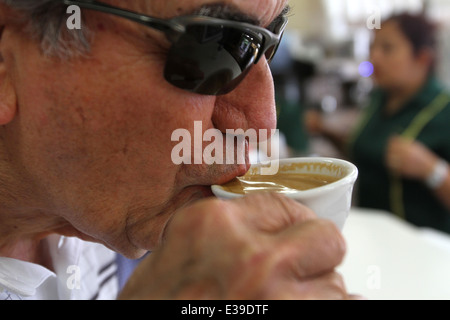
[(81, 271)]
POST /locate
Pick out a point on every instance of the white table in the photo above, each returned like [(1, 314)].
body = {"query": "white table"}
[(389, 259)]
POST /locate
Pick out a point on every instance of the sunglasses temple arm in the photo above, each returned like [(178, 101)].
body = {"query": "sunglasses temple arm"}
[(154, 23)]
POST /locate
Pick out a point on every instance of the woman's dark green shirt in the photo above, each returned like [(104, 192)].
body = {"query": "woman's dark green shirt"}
[(421, 207)]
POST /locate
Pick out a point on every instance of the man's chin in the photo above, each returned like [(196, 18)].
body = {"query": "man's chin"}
[(193, 194), (147, 227)]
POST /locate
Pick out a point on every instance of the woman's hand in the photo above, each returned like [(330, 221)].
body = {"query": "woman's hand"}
[(410, 159)]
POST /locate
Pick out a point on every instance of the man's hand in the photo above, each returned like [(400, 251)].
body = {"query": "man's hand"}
[(263, 246)]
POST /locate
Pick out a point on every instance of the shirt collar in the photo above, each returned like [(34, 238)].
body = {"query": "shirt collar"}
[(22, 278), (420, 100), (429, 91)]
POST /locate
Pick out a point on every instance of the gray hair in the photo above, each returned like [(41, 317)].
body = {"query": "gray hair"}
[(46, 23)]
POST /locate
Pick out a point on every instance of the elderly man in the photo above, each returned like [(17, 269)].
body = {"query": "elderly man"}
[(86, 119)]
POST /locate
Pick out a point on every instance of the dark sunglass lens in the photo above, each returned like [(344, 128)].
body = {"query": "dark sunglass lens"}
[(211, 60)]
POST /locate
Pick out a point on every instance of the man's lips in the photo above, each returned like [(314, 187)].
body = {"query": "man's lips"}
[(235, 171), (222, 174), (216, 173)]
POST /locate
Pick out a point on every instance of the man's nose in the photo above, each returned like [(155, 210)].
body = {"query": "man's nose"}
[(251, 105)]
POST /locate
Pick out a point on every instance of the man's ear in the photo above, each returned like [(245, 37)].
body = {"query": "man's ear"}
[(8, 98)]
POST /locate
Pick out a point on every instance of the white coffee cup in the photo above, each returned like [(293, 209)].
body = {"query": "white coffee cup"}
[(332, 201)]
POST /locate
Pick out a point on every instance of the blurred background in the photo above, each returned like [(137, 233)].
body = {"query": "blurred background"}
[(322, 75), (320, 66)]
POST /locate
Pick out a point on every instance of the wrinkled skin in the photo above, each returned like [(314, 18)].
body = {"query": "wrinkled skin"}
[(85, 150)]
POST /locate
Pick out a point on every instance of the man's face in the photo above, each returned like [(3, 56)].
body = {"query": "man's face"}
[(93, 135)]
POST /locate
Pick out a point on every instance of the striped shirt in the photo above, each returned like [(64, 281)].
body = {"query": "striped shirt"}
[(81, 271)]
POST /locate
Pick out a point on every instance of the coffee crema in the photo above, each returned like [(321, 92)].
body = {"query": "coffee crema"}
[(279, 183)]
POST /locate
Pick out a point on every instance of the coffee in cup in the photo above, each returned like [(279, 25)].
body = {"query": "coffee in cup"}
[(325, 185), (280, 183)]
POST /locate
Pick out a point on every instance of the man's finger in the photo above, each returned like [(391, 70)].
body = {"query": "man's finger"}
[(311, 249), (330, 286), (272, 213)]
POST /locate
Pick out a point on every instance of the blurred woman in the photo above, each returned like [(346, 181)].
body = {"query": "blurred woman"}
[(402, 145)]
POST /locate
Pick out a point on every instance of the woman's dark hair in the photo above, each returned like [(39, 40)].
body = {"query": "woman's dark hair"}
[(420, 32)]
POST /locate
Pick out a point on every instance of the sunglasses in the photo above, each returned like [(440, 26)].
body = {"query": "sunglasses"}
[(208, 56)]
